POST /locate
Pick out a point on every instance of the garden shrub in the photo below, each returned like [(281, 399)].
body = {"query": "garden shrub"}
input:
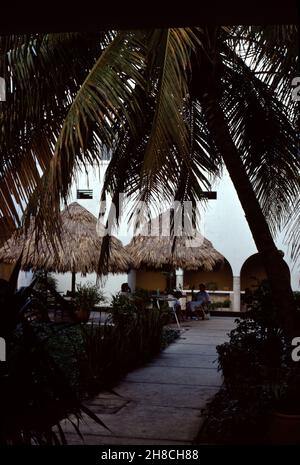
[(169, 335), (39, 387), (258, 374), (222, 304), (254, 359), (52, 367), (135, 335)]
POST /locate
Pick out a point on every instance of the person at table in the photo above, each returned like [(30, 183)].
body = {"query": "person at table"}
[(125, 289), (202, 299)]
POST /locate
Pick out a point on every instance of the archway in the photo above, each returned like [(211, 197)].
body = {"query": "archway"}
[(252, 272), (219, 283), (219, 279)]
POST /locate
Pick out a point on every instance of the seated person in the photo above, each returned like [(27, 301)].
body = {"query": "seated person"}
[(198, 305), (125, 289)]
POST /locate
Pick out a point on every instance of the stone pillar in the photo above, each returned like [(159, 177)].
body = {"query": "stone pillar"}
[(132, 280), (179, 278), (236, 294)]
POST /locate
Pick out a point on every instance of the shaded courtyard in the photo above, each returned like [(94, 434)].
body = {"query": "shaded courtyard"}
[(161, 402)]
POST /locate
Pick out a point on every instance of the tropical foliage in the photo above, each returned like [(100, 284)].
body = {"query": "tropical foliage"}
[(73, 97), (36, 392), (259, 378), (111, 350), (51, 368), (170, 107), (88, 295)]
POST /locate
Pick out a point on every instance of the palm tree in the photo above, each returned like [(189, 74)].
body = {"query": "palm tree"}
[(241, 131), (171, 106)]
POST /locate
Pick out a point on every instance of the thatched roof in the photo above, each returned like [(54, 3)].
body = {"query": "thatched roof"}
[(157, 251), (78, 250)]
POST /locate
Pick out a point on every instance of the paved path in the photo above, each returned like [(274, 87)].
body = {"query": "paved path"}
[(161, 403)]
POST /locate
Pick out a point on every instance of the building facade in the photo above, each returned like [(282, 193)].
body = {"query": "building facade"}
[(222, 222)]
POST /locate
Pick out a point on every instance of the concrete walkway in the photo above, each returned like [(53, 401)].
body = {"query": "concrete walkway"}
[(161, 403)]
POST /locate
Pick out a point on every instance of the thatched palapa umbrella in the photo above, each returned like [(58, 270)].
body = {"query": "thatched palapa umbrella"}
[(156, 250), (77, 251)]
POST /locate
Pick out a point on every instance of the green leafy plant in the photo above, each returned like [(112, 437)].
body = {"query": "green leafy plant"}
[(169, 335), (144, 295), (255, 366), (36, 392), (230, 421), (86, 297), (124, 309), (42, 279), (223, 304), (131, 337), (259, 376), (262, 308), (255, 358)]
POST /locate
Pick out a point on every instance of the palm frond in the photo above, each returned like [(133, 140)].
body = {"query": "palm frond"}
[(168, 66), (43, 72), (162, 175), (293, 233), (272, 53), (97, 109), (73, 96), (262, 128)]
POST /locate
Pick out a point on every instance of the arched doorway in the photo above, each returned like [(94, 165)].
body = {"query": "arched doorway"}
[(218, 282), (252, 272), (219, 279)]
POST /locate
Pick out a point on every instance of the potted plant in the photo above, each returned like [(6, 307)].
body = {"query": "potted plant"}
[(86, 297), (284, 427)]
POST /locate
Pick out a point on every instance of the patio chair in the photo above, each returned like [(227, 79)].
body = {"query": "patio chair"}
[(203, 311), (172, 306), (200, 311), (183, 311)]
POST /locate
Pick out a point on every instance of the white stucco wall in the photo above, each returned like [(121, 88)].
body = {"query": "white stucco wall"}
[(110, 284), (224, 224)]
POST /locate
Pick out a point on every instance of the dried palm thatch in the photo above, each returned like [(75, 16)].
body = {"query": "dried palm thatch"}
[(190, 252), (78, 249)]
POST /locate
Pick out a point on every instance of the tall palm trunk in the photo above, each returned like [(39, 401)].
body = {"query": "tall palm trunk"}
[(277, 270)]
